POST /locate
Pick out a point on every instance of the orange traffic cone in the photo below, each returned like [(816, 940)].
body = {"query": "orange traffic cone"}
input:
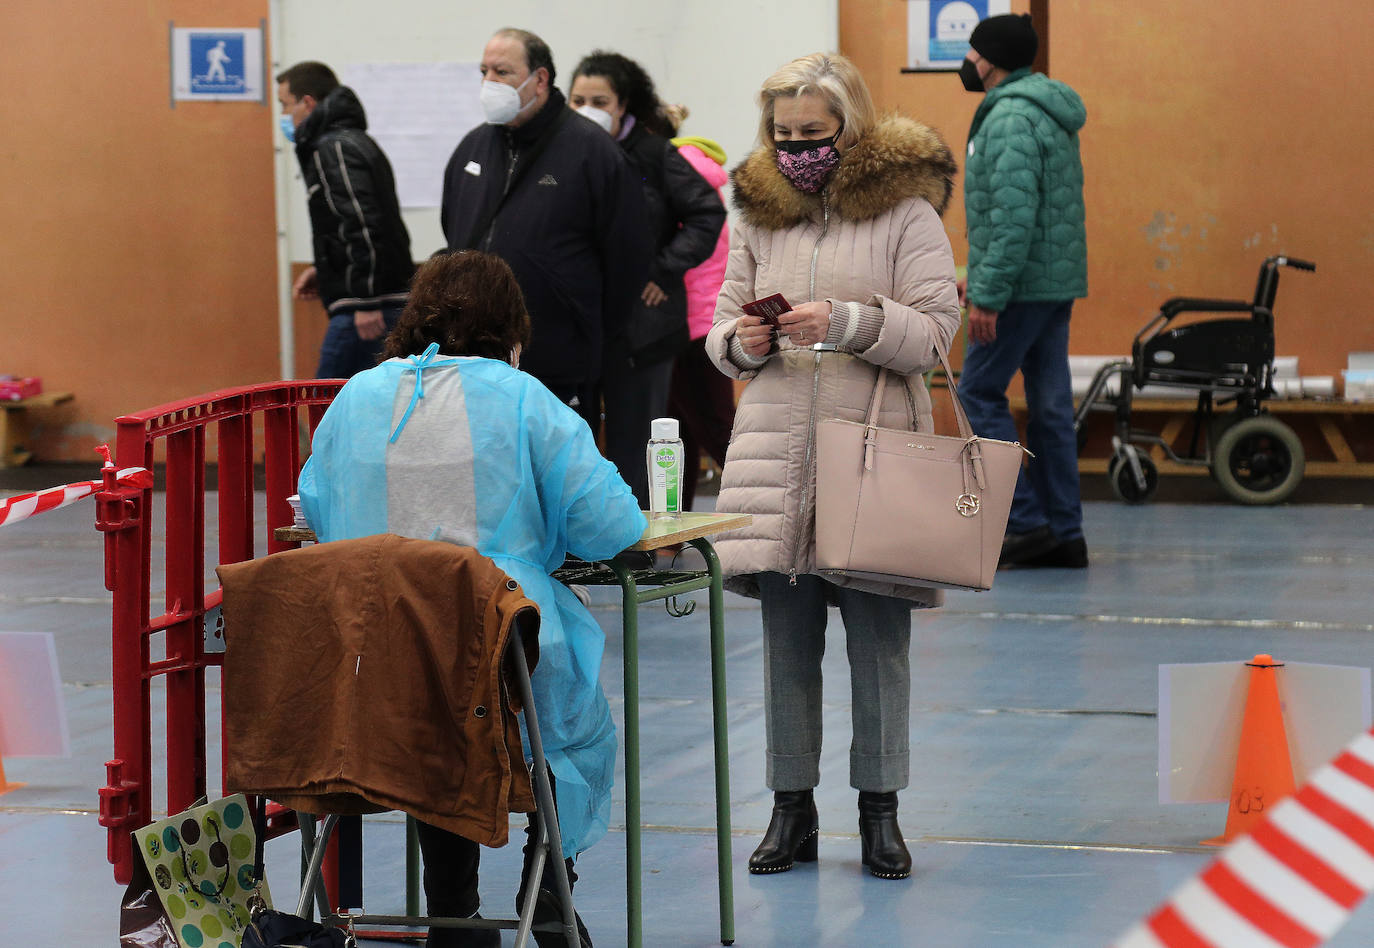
[(4, 786), (1264, 771)]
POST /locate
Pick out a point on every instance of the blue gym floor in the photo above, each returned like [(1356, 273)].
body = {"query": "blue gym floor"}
[(1032, 814)]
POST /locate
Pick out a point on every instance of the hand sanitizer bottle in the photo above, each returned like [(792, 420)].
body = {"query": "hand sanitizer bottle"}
[(664, 457)]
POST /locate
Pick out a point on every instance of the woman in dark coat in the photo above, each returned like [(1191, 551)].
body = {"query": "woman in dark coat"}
[(685, 218)]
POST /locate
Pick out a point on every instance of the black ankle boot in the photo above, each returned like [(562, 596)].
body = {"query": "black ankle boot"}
[(884, 852), (791, 835)]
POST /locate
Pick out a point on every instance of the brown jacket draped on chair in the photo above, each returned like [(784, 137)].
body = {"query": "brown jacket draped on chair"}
[(366, 675)]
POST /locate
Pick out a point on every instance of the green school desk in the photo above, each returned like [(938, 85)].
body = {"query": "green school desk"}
[(639, 586)]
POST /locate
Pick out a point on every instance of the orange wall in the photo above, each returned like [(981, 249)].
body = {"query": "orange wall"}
[(138, 248), (309, 322), (1218, 134), (139, 257)]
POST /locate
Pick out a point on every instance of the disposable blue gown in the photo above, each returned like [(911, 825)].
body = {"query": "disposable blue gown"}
[(485, 456)]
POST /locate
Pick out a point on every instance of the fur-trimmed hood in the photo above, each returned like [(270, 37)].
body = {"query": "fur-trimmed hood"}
[(899, 159)]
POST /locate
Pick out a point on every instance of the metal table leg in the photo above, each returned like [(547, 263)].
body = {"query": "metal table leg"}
[(720, 727), (633, 860), (412, 867), (666, 584)]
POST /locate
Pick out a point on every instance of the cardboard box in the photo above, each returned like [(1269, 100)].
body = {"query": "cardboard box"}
[(14, 388)]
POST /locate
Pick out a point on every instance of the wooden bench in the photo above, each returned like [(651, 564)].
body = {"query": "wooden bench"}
[(14, 425), (1337, 436)]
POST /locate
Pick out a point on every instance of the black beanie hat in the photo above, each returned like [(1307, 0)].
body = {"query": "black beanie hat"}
[(1007, 41)]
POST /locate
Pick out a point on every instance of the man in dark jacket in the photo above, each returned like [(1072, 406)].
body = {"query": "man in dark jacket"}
[(1027, 263), (362, 249), (550, 192)]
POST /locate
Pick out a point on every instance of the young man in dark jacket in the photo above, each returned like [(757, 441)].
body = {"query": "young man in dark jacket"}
[(550, 193), (362, 249)]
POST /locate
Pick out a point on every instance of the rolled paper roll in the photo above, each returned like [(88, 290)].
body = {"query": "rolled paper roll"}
[(1319, 386)]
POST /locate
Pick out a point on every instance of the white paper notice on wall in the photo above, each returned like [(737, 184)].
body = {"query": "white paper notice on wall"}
[(33, 719), (418, 113), (1201, 709), (217, 64)]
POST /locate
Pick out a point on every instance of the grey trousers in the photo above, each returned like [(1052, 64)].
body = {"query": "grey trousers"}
[(878, 640)]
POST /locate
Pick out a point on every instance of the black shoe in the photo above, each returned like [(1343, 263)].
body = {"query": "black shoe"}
[(547, 909), (792, 833), (547, 906), (1018, 547), (884, 851), (1070, 554)]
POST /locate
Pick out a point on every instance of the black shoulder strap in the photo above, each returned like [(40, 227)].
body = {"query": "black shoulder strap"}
[(521, 169)]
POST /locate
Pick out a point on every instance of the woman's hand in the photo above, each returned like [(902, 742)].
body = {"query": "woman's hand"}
[(653, 294), (806, 324), (754, 335)]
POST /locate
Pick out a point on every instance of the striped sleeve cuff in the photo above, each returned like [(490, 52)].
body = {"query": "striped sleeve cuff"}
[(854, 327), (743, 359)]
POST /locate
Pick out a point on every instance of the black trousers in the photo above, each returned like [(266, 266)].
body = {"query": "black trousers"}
[(450, 877), (450, 871), (633, 396), (703, 399)]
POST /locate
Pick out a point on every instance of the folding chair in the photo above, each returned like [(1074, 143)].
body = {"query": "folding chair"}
[(548, 841)]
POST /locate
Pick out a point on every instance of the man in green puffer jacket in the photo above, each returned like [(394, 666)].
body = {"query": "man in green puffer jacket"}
[(1027, 263)]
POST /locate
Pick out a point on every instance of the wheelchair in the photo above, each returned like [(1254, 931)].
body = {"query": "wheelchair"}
[(1229, 361)]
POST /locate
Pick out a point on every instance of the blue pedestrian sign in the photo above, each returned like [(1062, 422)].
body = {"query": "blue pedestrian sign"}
[(217, 64)]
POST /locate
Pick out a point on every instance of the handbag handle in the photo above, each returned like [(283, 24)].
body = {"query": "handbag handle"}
[(960, 417)]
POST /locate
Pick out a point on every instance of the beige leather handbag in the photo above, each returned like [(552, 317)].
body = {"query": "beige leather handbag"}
[(911, 508)]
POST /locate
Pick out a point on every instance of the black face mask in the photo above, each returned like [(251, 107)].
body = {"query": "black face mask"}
[(806, 144), (968, 75)]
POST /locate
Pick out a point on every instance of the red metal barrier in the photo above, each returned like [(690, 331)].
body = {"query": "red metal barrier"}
[(126, 517)]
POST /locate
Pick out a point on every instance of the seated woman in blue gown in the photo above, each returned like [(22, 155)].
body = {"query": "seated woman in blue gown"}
[(447, 439)]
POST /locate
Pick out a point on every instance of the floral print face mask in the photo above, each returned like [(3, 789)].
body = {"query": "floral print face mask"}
[(808, 163)]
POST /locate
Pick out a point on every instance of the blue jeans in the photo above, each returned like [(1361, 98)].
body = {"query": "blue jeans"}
[(1034, 338), (343, 355)]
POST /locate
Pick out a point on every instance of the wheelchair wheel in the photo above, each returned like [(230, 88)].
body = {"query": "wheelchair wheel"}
[(1123, 479), (1258, 460)]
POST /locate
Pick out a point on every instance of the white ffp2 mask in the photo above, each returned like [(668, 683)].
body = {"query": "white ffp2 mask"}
[(600, 116), (500, 102)]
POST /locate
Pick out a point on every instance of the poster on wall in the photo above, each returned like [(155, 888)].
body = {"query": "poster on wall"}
[(937, 31), (217, 65), (418, 112)]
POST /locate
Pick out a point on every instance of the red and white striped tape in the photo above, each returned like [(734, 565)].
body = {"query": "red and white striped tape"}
[(1292, 881), (23, 506)]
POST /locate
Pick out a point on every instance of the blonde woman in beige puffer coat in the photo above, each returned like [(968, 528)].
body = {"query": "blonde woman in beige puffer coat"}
[(839, 213)]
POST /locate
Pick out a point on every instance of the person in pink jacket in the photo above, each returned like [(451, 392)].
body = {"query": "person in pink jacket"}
[(701, 397)]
